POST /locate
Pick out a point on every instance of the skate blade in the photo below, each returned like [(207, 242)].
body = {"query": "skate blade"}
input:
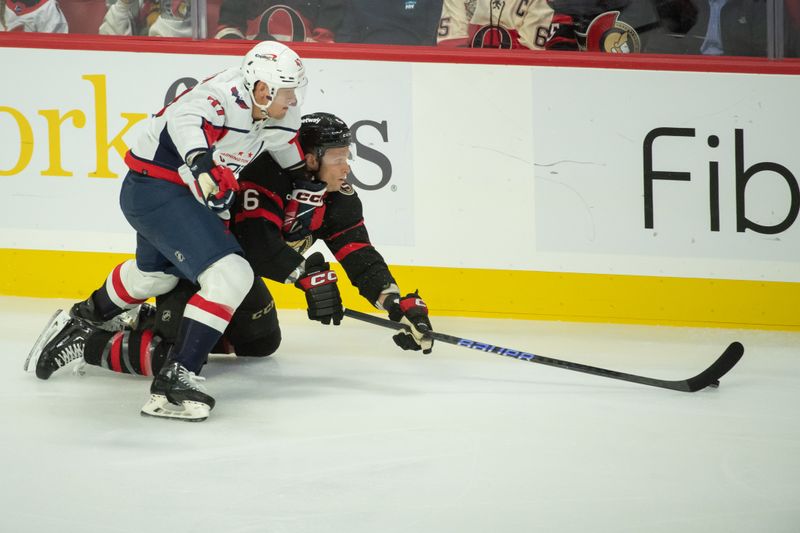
[(80, 368), (159, 407), (54, 325)]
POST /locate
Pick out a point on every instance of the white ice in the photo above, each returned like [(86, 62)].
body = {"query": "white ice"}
[(343, 432)]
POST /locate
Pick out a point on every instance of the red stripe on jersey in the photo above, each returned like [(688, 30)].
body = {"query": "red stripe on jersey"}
[(296, 142), (348, 249), (262, 190), (119, 288), (213, 133), (148, 168), (317, 217), (259, 213), (354, 226), (145, 365), (116, 348), (222, 311)]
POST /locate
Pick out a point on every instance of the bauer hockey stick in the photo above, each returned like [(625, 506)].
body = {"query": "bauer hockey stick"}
[(707, 378)]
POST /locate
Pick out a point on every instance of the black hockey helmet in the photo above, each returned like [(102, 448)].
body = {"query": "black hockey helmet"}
[(320, 131)]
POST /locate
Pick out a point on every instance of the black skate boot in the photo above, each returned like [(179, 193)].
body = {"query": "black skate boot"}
[(87, 312), (127, 319), (61, 342), (177, 393)]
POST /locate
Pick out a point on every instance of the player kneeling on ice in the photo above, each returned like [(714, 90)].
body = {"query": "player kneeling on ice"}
[(276, 218), (177, 196)]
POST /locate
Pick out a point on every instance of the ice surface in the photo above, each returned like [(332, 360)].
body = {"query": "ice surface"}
[(343, 432)]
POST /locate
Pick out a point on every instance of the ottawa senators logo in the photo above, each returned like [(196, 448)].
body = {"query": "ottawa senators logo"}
[(492, 37), (346, 189), (282, 23), (606, 33), (175, 9)]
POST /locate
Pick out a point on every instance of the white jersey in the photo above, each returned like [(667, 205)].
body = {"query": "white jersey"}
[(120, 19), (44, 16), (166, 18), (215, 113), (495, 23)]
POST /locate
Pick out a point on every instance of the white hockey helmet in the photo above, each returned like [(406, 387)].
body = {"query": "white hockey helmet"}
[(275, 64)]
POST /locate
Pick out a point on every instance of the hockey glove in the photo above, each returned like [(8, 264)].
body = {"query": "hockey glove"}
[(214, 183), (302, 214), (322, 293), (411, 311)]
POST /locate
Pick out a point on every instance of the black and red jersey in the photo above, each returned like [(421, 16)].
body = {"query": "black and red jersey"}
[(258, 223)]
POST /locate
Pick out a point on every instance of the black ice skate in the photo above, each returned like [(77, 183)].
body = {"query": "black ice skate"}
[(61, 343), (128, 319), (177, 393)]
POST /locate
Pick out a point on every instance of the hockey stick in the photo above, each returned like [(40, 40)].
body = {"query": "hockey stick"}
[(707, 378)]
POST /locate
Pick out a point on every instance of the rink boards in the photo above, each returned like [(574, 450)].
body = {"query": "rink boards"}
[(536, 189)]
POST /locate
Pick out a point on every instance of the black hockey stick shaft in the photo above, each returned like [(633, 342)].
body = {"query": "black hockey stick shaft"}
[(706, 378)]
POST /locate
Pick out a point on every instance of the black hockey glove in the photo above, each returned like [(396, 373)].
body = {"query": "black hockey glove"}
[(215, 185), (322, 293), (411, 311), (303, 212)]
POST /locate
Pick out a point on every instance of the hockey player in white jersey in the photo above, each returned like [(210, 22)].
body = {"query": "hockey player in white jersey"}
[(182, 181), (156, 18), (224, 112), (495, 24), (42, 16)]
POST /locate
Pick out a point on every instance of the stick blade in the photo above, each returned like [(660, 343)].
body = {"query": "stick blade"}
[(711, 375)]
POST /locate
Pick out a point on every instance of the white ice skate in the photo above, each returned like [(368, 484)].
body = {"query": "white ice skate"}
[(178, 393), (158, 406)]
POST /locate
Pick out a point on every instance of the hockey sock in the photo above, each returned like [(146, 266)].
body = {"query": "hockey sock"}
[(126, 352), (108, 301), (115, 294), (201, 327)]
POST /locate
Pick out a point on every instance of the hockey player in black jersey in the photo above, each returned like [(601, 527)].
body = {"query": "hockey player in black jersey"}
[(276, 219)]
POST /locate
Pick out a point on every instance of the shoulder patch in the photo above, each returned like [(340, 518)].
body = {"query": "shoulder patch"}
[(606, 33), (238, 98), (347, 189)]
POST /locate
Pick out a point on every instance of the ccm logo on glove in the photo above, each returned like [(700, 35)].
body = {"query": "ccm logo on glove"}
[(308, 197), (320, 278), (322, 293)]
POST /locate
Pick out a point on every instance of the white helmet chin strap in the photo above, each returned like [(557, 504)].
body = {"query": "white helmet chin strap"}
[(262, 108)]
